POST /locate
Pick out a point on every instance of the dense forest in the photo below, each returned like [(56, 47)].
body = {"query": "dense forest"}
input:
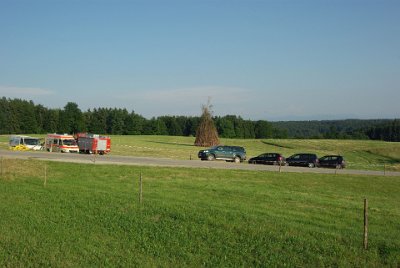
[(20, 116), (332, 129)]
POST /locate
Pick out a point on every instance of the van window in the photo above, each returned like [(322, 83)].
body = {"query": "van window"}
[(69, 142), (31, 141)]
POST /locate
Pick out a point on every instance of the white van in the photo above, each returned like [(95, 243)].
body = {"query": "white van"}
[(63, 143), (30, 142)]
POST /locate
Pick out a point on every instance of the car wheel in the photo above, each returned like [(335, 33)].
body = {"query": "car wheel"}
[(210, 157), (236, 159), (338, 166), (311, 165)]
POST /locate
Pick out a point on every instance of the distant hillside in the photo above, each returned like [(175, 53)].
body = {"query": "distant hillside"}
[(342, 129)]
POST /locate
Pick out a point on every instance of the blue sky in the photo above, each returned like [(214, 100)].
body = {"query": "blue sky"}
[(273, 60)]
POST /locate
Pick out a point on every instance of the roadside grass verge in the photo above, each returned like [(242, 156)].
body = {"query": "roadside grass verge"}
[(89, 215), (359, 154)]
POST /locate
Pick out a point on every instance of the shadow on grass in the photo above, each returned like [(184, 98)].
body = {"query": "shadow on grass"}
[(386, 159), (173, 143), (277, 145)]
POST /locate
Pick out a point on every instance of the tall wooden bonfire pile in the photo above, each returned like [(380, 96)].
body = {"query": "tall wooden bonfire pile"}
[(206, 133)]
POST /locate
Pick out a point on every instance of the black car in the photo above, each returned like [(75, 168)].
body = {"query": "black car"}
[(333, 161), (268, 159), (305, 160)]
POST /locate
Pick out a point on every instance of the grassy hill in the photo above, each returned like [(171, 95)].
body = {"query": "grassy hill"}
[(360, 154), (89, 215)]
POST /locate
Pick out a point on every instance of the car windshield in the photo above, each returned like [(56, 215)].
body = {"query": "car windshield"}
[(32, 141), (70, 142)]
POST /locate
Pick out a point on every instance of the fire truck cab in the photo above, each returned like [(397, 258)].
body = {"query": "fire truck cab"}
[(63, 143)]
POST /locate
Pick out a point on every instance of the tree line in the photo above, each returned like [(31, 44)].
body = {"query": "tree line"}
[(19, 116), (389, 131), (374, 129)]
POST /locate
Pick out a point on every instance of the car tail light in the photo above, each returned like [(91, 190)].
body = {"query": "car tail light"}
[(280, 158)]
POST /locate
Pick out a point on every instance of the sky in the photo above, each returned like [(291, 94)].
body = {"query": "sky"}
[(270, 60)]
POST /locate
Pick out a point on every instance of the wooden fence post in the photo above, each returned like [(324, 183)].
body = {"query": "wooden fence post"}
[(140, 189), (45, 175), (365, 223), (2, 164), (94, 157)]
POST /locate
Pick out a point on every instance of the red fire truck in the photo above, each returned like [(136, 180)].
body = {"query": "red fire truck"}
[(93, 143)]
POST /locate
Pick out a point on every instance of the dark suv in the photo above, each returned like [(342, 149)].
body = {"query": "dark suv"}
[(305, 160), (229, 153), (268, 159), (334, 161)]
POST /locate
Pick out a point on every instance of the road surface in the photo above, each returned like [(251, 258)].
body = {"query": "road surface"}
[(166, 162)]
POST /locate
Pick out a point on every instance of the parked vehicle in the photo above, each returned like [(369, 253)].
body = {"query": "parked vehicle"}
[(18, 142), (268, 159), (332, 161), (93, 143), (305, 160), (235, 154), (63, 143)]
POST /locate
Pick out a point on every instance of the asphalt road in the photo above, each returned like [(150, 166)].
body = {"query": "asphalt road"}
[(166, 162)]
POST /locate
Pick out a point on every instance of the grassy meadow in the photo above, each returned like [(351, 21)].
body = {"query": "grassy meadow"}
[(360, 154), (89, 215)]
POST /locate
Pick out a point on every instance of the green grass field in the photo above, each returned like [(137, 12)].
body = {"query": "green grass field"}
[(368, 155), (89, 215)]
